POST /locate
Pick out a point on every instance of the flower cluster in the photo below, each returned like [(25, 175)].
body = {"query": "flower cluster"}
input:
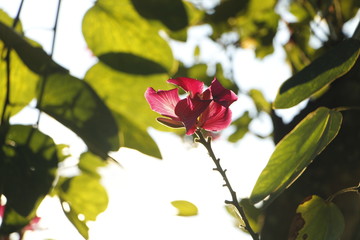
[(207, 109)]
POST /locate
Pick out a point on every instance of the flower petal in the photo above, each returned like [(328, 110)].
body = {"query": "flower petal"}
[(189, 110), (215, 118), (163, 102), (221, 95), (189, 85)]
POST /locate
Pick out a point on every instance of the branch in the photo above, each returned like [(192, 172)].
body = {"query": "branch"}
[(43, 83), (207, 144)]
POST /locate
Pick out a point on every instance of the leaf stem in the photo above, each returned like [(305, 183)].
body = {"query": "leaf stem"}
[(207, 144), (355, 189)]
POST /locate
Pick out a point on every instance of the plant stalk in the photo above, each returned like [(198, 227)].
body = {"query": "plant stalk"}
[(207, 144)]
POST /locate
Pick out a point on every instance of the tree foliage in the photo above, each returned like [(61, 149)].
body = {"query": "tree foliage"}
[(316, 153)]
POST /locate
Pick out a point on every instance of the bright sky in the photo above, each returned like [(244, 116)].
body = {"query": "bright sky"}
[(141, 192)]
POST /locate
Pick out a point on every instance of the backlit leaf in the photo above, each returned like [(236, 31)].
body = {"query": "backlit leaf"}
[(171, 13), (29, 161), (318, 74), (317, 219), (185, 208), (75, 104), (83, 199), (296, 151), (124, 94), (23, 81), (116, 27), (242, 127)]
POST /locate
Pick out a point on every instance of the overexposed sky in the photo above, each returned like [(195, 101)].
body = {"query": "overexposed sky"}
[(141, 192)]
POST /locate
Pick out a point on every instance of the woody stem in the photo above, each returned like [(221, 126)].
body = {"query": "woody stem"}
[(207, 144)]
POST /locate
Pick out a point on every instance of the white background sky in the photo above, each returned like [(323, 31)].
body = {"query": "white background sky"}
[(140, 194)]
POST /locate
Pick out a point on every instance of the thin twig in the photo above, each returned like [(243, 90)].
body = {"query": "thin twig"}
[(45, 75), (355, 189), (207, 144)]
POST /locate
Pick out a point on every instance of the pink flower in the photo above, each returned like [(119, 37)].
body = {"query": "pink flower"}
[(207, 109)]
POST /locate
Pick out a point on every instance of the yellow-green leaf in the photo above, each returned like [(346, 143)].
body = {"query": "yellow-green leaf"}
[(317, 219), (185, 208), (116, 27), (296, 151)]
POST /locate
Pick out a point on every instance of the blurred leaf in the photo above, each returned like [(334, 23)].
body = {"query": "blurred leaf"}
[(83, 199), (302, 10), (13, 221), (75, 104), (319, 73), (135, 137), (171, 13), (253, 215), (129, 63), (259, 100), (348, 9), (115, 27), (317, 219), (185, 208), (124, 94), (22, 80), (242, 127), (89, 163), (296, 151), (29, 162)]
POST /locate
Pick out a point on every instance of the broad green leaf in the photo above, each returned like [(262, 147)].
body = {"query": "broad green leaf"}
[(185, 208), (75, 104), (242, 127), (171, 13), (23, 81), (259, 100), (322, 71), (89, 163), (132, 64), (296, 151), (29, 161), (317, 219), (116, 27), (124, 94), (83, 198), (135, 137)]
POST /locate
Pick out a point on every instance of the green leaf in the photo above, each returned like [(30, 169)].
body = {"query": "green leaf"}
[(317, 219), (130, 63), (171, 13), (242, 127), (259, 100), (89, 163), (135, 137), (113, 27), (83, 199), (13, 221), (296, 151), (75, 104), (124, 94), (185, 208), (29, 161), (23, 81), (318, 74)]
